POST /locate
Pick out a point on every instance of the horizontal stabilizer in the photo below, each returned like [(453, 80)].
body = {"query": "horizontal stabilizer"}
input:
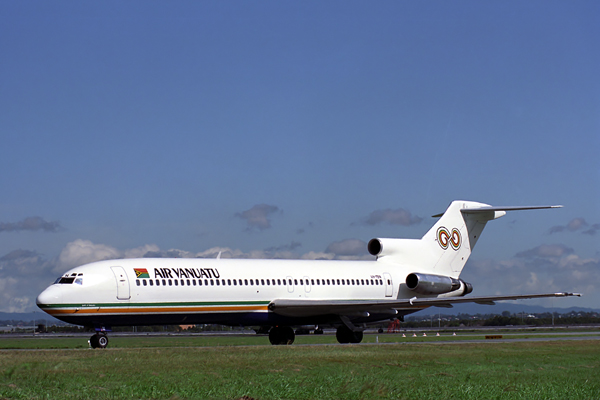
[(491, 208)]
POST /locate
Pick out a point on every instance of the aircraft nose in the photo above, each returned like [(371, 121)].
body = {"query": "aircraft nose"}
[(49, 296)]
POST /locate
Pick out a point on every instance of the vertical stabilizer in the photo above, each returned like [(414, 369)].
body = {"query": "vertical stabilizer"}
[(451, 240)]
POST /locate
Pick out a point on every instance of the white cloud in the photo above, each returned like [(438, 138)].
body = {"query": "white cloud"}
[(81, 252), (10, 298), (139, 252), (30, 224), (576, 224), (257, 217), (543, 269)]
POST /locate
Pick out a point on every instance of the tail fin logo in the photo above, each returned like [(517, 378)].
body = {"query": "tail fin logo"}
[(446, 239)]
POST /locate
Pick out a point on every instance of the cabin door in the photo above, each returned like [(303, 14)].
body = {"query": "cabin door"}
[(122, 283)]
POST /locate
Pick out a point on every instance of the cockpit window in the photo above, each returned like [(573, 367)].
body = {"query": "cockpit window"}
[(74, 278)]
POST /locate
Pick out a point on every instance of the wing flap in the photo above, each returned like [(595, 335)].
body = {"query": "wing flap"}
[(309, 308)]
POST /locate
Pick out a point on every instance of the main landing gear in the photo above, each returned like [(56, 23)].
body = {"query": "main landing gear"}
[(281, 335), (347, 335), (285, 335), (99, 341)]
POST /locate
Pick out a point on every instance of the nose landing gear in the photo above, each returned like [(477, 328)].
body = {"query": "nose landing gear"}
[(99, 341)]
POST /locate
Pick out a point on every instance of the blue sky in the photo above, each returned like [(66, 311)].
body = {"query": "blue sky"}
[(275, 129)]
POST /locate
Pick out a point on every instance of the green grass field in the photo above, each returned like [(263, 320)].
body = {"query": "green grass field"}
[(195, 340), (137, 368)]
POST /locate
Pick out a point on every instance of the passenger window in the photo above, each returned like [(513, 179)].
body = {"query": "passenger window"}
[(296, 282), (251, 282), (279, 282), (137, 282), (228, 282), (328, 281), (223, 282), (176, 283), (246, 282), (151, 282), (389, 282), (164, 282), (188, 282), (145, 283), (343, 282), (289, 282), (171, 282), (273, 282), (352, 281), (199, 282), (301, 282), (217, 281), (312, 281), (268, 282), (235, 282), (206, 282), (212, 283)]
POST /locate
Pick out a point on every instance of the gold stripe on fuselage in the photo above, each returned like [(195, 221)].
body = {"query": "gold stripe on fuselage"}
[(148, 310)]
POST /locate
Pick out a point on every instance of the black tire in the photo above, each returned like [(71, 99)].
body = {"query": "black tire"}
[(279, 335), (344, 335), (94, 341)]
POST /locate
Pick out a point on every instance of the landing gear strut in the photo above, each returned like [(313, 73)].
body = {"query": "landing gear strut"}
[(99, 341), (281, 335), (346, 335)]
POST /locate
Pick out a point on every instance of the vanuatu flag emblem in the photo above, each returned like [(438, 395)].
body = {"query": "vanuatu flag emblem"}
[(141, 273)]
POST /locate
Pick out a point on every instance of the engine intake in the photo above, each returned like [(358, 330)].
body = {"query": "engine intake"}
[(436, 284), (374, 246)]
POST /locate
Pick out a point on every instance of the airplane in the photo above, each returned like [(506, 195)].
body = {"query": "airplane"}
[(407, 275)]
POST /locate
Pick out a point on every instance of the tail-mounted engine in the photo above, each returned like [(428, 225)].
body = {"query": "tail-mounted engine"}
[(436, 284), (385, 247)]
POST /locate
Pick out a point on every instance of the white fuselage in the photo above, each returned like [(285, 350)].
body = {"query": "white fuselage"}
[(228, 291)]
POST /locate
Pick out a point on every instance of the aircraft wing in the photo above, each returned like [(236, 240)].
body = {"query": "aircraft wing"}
[(362, 308)]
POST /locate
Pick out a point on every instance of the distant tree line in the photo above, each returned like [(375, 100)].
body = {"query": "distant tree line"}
[(506, 319), (444, 321)]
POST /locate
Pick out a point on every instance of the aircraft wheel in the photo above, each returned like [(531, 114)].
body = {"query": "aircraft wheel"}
[(345, 335), (281, 335), (99, 341)]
